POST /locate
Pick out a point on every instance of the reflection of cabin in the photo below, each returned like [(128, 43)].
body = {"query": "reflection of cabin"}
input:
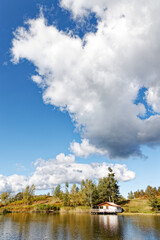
[(107, 208)]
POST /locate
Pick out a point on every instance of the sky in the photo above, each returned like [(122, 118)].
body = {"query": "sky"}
[(79, 92)]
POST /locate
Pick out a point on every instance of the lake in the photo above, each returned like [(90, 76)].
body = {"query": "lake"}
[(78, 226)]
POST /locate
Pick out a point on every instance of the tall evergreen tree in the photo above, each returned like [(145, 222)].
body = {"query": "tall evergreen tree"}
[(66, 197), (108, 189)]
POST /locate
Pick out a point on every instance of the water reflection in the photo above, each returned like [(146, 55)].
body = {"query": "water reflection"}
[(78, 226)]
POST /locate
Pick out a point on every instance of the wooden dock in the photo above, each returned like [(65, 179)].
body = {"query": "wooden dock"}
[(103, 211)]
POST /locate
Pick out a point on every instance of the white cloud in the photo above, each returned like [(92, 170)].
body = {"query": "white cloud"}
[(13, 183), (61, 158), (62, 169), (98, 82), (84, 149), (83, 7), (37, 79)]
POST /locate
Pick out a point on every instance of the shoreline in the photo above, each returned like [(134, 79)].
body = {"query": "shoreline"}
[(76, 211), (128, 214)]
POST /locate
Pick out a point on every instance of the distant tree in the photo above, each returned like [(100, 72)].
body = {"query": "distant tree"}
[(28, 194), (150, 191), (142, 193), (130, 195), (18, 196), (88, 193), (155, 191), (57, 191), (137, 194), (66, 196), (5, 197), (153, 202), (74, 195)]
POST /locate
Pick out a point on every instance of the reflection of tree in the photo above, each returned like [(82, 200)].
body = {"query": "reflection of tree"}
[(84, 226), (79, 226), (26, 226)]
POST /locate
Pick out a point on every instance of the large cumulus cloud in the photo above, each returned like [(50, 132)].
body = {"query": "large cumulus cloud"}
[(97, 78), (61, 169)]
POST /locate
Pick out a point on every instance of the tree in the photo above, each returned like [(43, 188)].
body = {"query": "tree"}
[(88, 194), (108, 189), (66, 199), (137, 194), (5, 197), (28, 194), (130, 195), (113, 186), (150, 191), (74, 195), (18, 196), (153, 202), (142, 193), (57, 191)]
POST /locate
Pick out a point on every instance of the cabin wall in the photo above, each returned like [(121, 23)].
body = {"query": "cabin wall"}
[(112, 208)]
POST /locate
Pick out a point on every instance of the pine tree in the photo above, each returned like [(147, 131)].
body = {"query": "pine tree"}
[(108, 189), (66, 197), (130, 195)]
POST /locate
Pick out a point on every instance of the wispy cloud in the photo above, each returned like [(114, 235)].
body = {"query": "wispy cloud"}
[(20, 167)]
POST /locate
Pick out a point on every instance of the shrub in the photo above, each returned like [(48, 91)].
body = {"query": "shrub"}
[(5, 211), (40, 197), (47, 207)]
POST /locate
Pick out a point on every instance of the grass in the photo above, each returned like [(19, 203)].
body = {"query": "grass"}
[(137, 205), (78, 209), (47, 207)]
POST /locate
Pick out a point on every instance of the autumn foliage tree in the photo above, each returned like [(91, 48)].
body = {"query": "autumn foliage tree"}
[(28, 194)]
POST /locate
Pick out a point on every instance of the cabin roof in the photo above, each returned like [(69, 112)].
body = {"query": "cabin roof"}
[(109, 203)]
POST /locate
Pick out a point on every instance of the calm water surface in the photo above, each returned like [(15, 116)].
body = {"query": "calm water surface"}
[(78, 226)]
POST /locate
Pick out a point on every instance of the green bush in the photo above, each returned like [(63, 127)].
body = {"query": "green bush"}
[(18, 202), (47, 207), (5, 211), (39, 198)]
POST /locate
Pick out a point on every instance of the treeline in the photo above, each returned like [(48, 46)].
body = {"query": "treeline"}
[(149, 192), (26, 196), (88, 193)]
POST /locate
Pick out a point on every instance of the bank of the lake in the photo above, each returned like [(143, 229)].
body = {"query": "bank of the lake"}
[(50, 204)]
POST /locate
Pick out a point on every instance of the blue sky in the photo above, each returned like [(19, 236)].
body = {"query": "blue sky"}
[(32, 128)]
